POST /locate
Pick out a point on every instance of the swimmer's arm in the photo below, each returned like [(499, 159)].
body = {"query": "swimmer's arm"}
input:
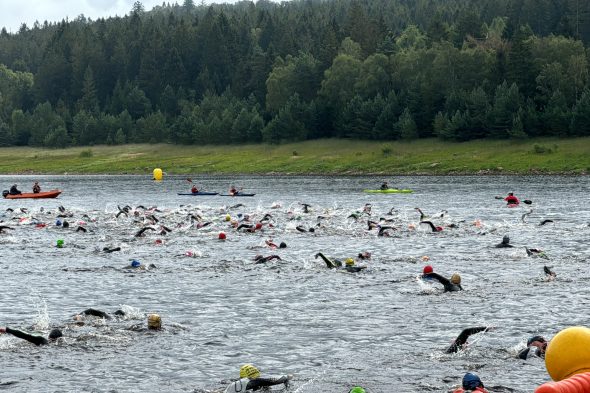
[(463, 336), (96, 313), (258, 383), (443, 280), (37, 340)]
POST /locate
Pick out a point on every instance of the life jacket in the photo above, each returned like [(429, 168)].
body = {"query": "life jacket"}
[(512, 200), (238, 387)]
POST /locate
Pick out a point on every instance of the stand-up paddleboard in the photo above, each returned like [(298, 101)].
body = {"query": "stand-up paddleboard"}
[(390, 191)]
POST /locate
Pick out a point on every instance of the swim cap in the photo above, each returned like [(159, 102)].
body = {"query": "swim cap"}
[(249, 371), (427, 269), (357, 389), (135, 263), (221, 236), (57, 223), (60, 243), (535, 338), (471, 381), (154, 322), (55, 334), (283, 245), (258, 226), (349, 262), (227, 217), (425, 258), (456, 279)]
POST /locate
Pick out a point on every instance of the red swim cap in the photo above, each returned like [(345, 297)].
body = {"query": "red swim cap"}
[(221, 236), (158, 241), (428, 269), (258, 226)]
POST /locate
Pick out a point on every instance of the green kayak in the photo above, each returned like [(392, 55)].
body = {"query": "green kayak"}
[(390, 191)]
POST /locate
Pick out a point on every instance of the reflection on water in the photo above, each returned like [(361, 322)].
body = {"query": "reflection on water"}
[(380, 328)]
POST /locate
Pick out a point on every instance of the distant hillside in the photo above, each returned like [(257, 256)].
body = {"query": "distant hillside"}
[(300, 70)]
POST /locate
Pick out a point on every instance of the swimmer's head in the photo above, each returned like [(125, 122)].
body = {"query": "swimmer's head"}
[(427, 269), (227, 217), (425, 258), (258, 225), (531, 340), (135, 263), (471, 381), (249, 371), (357, 389), (55, 334), (221, 236), (350, 262), (283, 245), (456, 279), (154, 322)]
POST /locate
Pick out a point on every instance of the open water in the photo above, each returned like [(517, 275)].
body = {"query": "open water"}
[(382, 328)]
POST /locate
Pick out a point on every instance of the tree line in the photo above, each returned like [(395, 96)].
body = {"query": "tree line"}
[(304, 69)]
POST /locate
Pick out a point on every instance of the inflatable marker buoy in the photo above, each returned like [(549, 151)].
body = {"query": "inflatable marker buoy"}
[(157, 174), (567, 353), (579, 383)]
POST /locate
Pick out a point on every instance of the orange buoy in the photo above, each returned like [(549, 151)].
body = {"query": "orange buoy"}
[(579, 383)]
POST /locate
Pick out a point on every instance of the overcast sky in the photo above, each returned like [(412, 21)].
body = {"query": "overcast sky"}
[(15, 12)]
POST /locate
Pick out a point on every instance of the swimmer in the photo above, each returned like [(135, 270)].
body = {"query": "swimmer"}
[(357, 389), (250, 380), (383, 229), (525, 215), (3, 227), (505, 243), (32, 338), (125, 211), (452, 285), (305, 207), (330, 263), (108, 250), (545, 222), (351, 268), (154, 323), (535, 347), (261, 259), (535, 253), (551, 275), (432, 226), (422, 215), (140, 233), (461, 339), (471, 383)]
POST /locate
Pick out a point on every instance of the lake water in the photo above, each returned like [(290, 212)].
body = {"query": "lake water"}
[(382, 328)]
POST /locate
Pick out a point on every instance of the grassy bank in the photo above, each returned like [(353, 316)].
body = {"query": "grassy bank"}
[(329, 156)]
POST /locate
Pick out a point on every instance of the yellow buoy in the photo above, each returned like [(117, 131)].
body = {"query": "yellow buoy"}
[(567, 353), (157, 174)]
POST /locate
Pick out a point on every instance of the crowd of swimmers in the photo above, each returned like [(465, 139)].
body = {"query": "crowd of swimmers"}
[(250, 378)]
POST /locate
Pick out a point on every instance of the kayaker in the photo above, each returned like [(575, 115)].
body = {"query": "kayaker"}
[(471, 383), (14, 190), (233, 190), (535, 347), (36, 188), (251, 381), (511, 199), (33, 338), (384, 186), (194, 189)]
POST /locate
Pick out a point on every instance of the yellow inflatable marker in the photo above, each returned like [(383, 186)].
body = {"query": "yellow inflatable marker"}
[(157, 174), (567, 353)]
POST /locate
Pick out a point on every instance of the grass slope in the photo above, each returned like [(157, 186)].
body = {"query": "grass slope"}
[(328, 156)]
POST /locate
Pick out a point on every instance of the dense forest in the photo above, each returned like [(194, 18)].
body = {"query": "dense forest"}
[(303, 69)]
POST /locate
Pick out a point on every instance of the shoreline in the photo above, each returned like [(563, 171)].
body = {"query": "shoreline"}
[(327, 157)]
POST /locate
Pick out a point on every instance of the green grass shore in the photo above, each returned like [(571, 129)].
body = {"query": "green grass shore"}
[(318, 157)]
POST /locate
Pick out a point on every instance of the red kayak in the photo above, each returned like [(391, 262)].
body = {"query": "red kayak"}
[(46, 194)]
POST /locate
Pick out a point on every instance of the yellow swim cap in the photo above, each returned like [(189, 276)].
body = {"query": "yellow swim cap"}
[(349, 262), (249, 371), (227, 217), (456, 279), (154, 321)]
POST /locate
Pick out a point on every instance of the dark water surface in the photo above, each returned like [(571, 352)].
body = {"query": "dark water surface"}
[(382, 328)]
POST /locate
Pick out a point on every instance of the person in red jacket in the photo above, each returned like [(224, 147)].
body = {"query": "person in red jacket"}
[(511, 199), (471, 383)]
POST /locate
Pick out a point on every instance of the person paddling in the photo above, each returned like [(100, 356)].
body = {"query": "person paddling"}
[(511, 199)]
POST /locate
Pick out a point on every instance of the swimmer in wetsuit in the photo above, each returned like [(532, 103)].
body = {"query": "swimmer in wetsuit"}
[(452, 285), (33, 338), (251, 381), (461, 340), (536, 347), (505, 243), (471, 383)]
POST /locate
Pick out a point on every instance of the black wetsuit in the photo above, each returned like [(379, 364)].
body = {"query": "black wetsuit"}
[(96, 313), (14, 191), (32, 338), (529, 352), (462, 338), (449, 286), (256, 384)]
